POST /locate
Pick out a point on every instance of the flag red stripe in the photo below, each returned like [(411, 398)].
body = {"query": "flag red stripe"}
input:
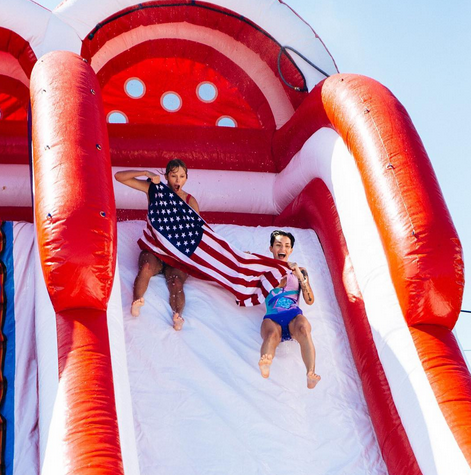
[(231, 265), (253, 283), (281, 266), (260, 261), (231, 278)]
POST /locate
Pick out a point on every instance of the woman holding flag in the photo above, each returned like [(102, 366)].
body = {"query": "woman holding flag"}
[(150, 264)]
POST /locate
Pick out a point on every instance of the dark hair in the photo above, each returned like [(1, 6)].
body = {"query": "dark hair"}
[(279, 232), (176, 163)]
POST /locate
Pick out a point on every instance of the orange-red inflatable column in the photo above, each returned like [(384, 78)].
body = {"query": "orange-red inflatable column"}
[(76, 227)]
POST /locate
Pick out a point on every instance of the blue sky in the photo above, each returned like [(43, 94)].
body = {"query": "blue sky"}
[(421, 51)]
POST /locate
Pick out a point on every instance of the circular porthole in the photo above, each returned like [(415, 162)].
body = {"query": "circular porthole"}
[(171, 101), (116, 117), (226, 121), (134, 88), (206, 91)]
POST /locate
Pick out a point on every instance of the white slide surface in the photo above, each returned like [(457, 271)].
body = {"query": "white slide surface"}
[(199, 403)]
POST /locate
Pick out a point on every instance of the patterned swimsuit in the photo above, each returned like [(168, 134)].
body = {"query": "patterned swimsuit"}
[(282, 305)]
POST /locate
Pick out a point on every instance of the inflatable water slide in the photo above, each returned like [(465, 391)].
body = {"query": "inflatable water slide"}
[(274, 137)]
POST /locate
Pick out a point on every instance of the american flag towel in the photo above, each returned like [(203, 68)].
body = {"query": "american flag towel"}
[(178, 235)]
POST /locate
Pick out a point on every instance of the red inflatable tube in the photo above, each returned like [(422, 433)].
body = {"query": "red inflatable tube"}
[(449, 377), (73, 184), (315, 208), (76, 228), (424, 257), (425, 260)]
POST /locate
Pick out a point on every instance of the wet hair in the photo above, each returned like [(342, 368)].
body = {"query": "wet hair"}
[(280, 232), (174, 164)]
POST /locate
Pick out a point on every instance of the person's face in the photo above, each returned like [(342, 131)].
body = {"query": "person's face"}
[(176, 178), (281, 248)]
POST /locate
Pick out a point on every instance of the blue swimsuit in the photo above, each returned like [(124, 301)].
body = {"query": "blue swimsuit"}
[(282, 305)]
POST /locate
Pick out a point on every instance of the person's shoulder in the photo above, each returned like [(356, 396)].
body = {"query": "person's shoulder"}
[(191, 199)]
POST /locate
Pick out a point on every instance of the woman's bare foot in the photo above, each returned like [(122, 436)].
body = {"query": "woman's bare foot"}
[(178, 321), (312, 379), (264, 363), (136, 307)]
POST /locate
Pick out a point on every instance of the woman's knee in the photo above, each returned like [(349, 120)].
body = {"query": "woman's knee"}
[(149, 264), (273, 335), (146, 269), (303, 328)]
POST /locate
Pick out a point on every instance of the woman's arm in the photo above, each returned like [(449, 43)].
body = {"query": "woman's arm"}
[(303, 279), (129, 178), (306, 289)]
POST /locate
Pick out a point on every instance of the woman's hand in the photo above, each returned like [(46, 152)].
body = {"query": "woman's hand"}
[(296, 271), (154, 178)]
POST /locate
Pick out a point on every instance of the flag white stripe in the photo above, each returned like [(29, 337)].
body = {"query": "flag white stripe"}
[(225, 278)]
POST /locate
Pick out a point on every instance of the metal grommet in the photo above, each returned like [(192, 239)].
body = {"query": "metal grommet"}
[(98, 146), (92, 91), (47, 147), (390, 166), (366, 111), (102, 214)]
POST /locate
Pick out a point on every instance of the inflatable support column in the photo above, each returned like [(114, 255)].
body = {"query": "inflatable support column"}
[(76, 228)]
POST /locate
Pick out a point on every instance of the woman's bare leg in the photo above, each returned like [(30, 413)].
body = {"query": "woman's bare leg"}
[(175, 280), (149, 265), (300, 330), (271, 335)]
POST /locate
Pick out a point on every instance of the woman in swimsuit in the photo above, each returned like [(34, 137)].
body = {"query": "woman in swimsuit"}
[(284, 320), (150, 264)]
